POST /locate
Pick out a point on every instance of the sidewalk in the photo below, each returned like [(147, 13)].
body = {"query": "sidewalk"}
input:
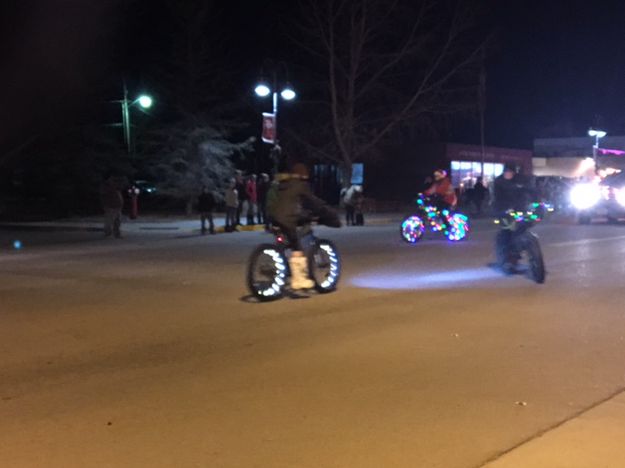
[(593, 438), (191, 224), (162, 224)]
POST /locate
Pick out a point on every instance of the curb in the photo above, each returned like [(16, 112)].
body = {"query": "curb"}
[(241, 228), (48, 228), (69, 227)]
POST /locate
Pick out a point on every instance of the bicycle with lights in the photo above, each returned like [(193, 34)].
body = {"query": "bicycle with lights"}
[(268, 274), (516, 247), (454, 225)]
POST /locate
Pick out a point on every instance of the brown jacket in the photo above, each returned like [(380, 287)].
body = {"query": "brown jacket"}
[(110, 196)]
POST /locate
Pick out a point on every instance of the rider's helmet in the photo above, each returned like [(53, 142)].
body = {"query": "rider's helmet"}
[(509, 170), (440, 174), (509, 167)]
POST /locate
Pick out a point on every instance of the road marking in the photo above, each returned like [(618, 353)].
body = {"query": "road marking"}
[(586, 241)]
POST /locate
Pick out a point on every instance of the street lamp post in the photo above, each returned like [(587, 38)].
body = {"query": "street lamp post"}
[(144, 101), (264, 89), (597, 134)]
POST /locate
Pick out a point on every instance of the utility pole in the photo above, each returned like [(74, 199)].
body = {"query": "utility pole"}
[(482, 108)]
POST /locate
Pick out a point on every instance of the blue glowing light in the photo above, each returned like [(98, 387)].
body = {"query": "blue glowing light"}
[(409, 280), (17, 245)]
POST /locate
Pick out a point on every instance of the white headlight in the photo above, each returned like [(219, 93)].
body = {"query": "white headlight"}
[(584, 196), (620, 195)]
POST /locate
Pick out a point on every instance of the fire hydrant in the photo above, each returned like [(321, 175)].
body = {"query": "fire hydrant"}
[(133, 193)]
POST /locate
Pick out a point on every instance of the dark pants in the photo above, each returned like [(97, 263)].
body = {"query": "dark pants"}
[(478, 202), (231, 218), (360, 218), (350, 211), (291, 235), (442, 205), (112, 222), (262, 212), (504, 249), (251, 211), (204, 216), (239, 210)]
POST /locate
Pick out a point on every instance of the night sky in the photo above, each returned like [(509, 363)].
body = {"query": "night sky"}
[(554, 69)]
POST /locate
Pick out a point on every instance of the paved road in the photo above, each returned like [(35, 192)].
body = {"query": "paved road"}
[(144, 352)]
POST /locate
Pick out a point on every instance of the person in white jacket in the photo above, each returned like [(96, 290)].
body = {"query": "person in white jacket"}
[(232, 203)]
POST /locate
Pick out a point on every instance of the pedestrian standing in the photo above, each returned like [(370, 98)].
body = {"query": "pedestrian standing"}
[(112, 204), (347, 195), (252, 198), (262, 187), (241, 194), (206, 207), (232, 205), (358, 200), (479, 195)]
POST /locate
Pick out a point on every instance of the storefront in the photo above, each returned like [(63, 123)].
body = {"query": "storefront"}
[(464, 174), (402, 173), (468, 163)]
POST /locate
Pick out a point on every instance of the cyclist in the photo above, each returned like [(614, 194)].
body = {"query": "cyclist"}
[(292, 204), (512, 192), (443, 190)]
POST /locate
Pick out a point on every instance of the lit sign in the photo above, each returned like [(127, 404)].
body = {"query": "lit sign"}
[(611, 152)]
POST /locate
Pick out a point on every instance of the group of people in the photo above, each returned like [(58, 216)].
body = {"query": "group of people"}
[(243, 197), (246, 198)]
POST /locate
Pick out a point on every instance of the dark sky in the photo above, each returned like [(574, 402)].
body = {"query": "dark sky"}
[(556, 67), (560, 68)]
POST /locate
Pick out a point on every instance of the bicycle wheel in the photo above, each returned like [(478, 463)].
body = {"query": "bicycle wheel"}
[(412, 229), (535, 258), (501, 247), (267, 271), (324, 264), (458, 227)]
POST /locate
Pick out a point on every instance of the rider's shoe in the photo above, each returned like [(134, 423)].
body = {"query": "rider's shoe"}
[(299, 273)]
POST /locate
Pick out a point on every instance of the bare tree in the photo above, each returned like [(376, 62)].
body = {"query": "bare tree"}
[(386, 64)]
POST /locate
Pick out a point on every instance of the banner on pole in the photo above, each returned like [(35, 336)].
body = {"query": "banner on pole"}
[(269, 127)]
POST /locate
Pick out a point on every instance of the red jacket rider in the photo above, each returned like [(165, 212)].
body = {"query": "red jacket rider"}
[(443, 188)]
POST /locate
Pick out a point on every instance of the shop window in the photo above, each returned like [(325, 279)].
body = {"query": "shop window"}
[(464, 174)]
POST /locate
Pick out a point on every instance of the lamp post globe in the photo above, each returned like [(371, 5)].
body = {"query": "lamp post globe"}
[(262, 90), (288, 94), (145, 101), (597, 133)]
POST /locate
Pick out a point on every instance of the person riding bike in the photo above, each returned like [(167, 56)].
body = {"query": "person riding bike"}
[(512, 192), (293, 205), (443, 190)]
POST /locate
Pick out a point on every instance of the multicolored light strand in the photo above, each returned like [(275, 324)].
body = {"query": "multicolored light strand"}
[(454, 226)]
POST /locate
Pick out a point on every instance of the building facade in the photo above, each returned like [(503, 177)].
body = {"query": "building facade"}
[(574, 158), (400, 175)]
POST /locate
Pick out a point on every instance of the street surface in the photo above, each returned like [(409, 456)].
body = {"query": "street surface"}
[(146, 352)]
